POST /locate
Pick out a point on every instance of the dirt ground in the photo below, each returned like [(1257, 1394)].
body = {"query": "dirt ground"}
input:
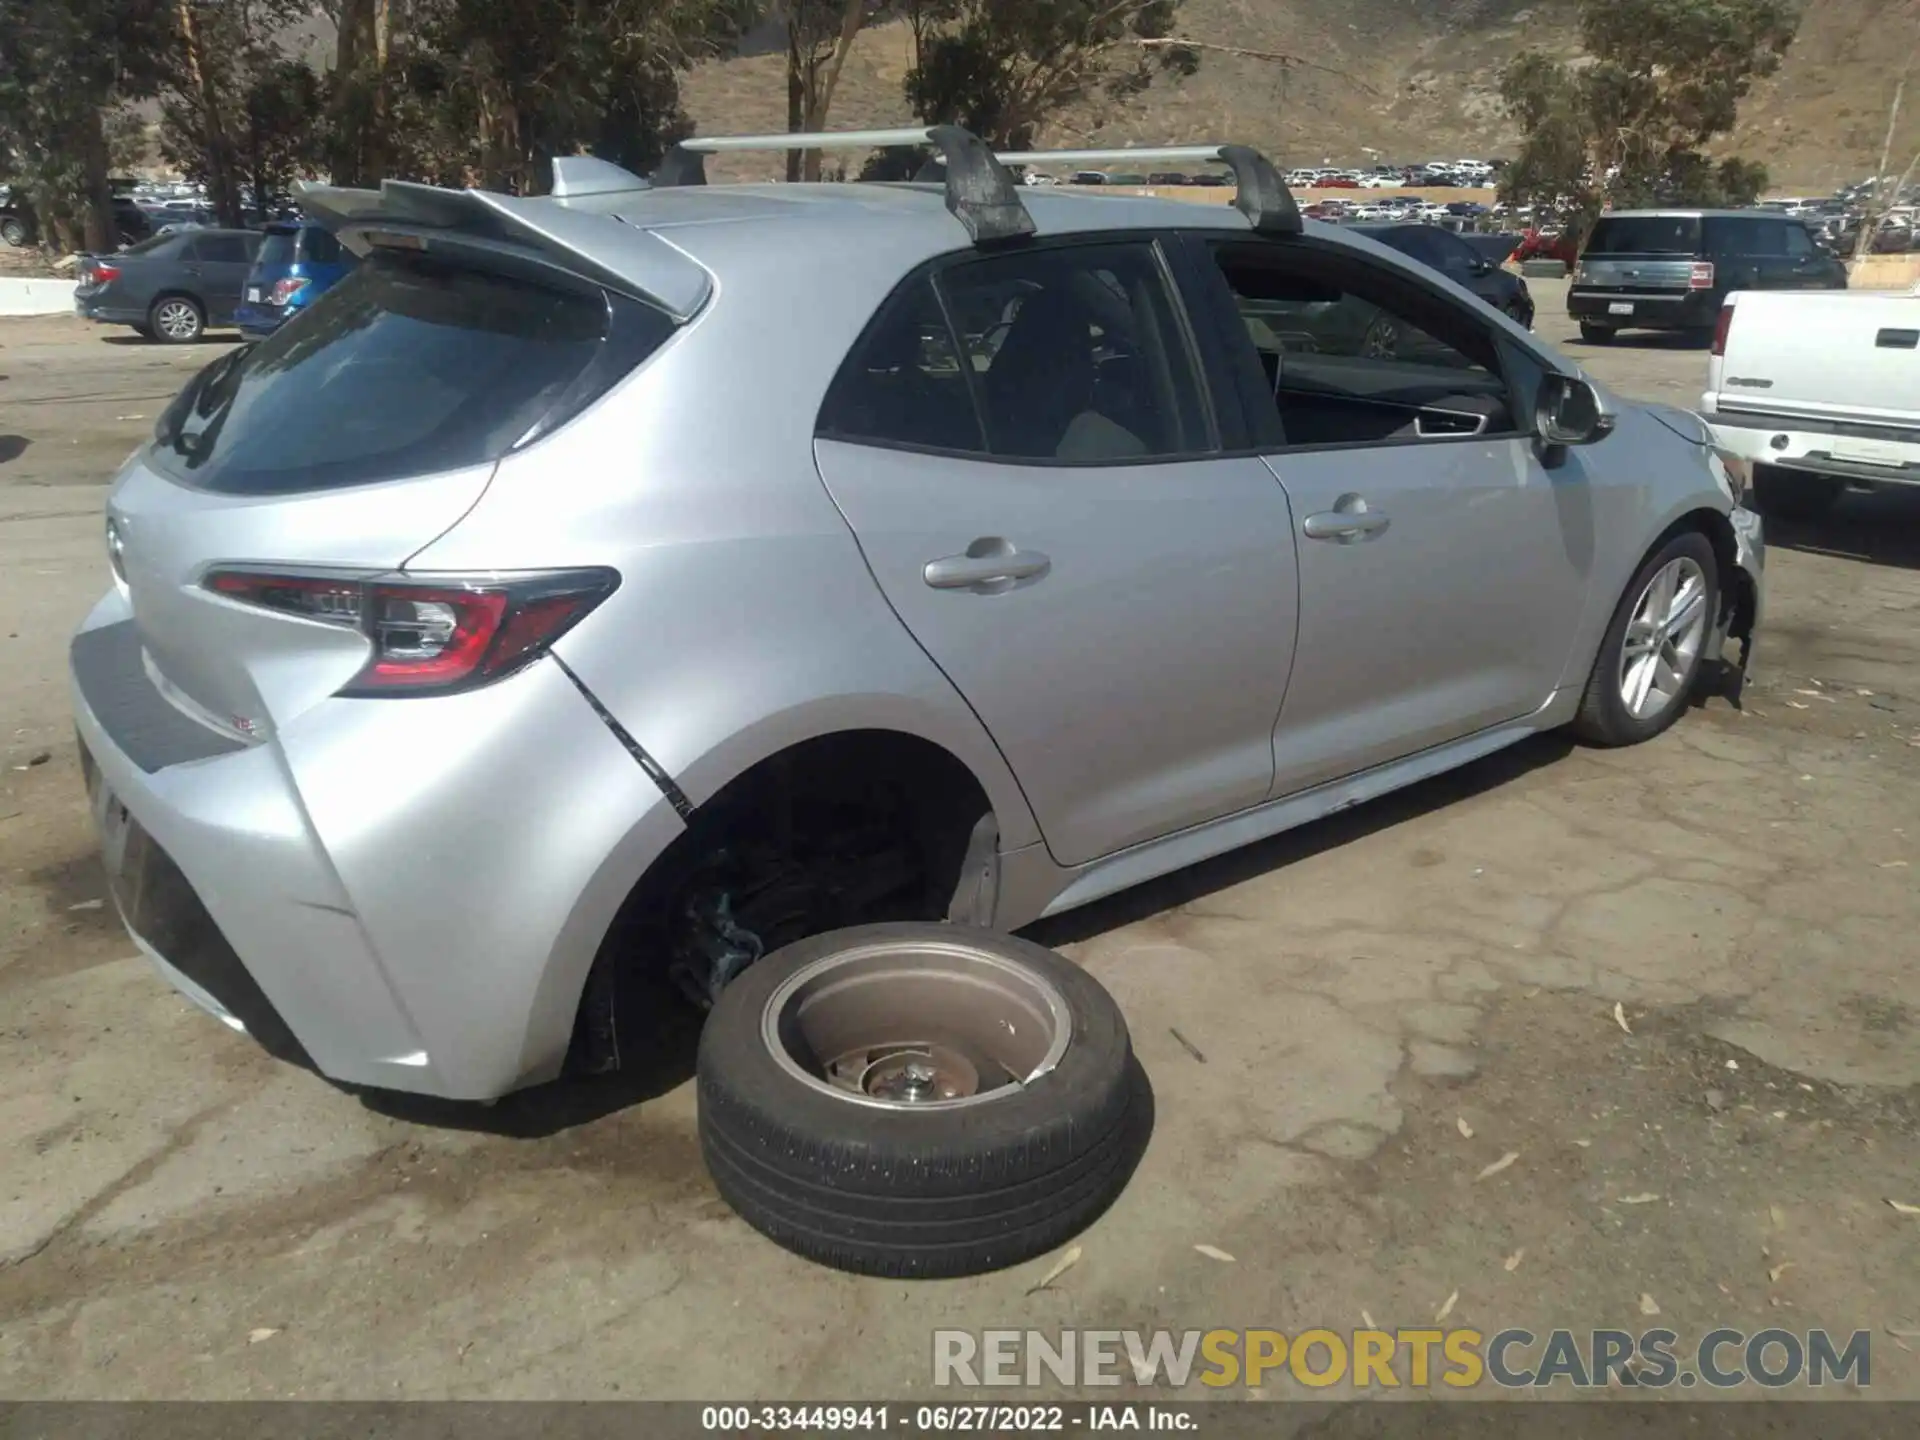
[(1680, 983)]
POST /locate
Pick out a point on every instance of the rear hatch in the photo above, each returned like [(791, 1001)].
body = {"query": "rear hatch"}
[(332, 452), (1831, 353), (1643, 255)]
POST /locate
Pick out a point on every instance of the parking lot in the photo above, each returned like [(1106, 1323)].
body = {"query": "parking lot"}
[(1680, 983)]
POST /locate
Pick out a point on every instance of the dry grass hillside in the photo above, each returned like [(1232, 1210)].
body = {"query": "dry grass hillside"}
[(1410, 79)]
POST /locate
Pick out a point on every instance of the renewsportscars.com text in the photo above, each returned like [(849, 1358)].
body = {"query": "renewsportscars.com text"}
[(1514, 1359)]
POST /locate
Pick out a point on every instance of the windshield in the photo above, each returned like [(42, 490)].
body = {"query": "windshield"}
[(407, 367), (1645, 235)]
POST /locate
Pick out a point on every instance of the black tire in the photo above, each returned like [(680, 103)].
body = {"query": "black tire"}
[(913, 1193), (1794, 494), (162, 325), (1520, 315), (1603, 717), (14, 231), (1597, 334)]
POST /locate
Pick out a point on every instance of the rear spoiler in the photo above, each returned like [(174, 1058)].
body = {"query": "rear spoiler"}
[(598, 248)]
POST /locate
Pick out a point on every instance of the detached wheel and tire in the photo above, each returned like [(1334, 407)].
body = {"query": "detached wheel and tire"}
[(1794, 494), (176, 320), (918, 1100), (14, 231), (1653, 649)]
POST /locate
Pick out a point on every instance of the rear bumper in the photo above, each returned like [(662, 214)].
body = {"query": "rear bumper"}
[(405, 894), (1652, 310), (256, 322), (1870, 453), (107, 310)]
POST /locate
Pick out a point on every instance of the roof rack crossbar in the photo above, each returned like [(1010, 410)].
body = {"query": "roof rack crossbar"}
[(980, 192), (1263, 195)]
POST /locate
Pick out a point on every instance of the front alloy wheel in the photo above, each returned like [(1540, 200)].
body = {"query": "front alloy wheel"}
[(1655, 645)]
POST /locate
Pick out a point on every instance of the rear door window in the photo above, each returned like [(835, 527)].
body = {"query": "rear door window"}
[(1727, 235), (222, 249), (1645, 235), (407, 367), (1800, 242)]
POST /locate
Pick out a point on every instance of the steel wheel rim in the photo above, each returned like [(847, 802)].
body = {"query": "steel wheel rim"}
[(921, 1025), (177, 320), (1382, 341), (1662, 646)]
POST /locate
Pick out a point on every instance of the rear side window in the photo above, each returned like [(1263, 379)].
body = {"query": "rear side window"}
[(1645, 235), (1729, 236), (222, 249), (407, 367), (1070, 353), (1800, 242)]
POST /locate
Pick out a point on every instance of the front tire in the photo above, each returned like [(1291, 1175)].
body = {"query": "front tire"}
[(863, 1103), (1794, 494), (13, 230), (1650, 658), (176, 320)]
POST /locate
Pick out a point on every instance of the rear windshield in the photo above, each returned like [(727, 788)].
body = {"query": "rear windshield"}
[(1645, 235), (407, 367), (277, 248)]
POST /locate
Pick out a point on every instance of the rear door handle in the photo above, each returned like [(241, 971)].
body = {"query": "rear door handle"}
[(988, 562), (1344, 525)]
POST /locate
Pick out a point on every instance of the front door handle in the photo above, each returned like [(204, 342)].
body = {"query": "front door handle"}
[(989, 564), (1345, 525)]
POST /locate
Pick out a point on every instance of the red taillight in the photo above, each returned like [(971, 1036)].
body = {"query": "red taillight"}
[(105, 273), (1722, 328), (1702, 276), (285, 290), (430, 636)]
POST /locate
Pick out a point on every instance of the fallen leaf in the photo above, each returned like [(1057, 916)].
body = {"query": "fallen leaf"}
[(1367, 1320), (1464, 1128), (1446, 1309), (1584, 1144), (1060, 1267), (1644, 1198), (1900, 1334), (1904, 1208), (1778, 1216), (1648, 1305), (1778, 1270), (1893, 865), (1214, 1252), (87, 905), (254, 1337), (1779, 1114), (1733, 1064), (1512, 1262), (1512, 1155), (1620, 1017), (1716, 1099), (1796, 705)]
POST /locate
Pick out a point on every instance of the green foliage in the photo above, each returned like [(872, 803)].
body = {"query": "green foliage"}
[(1002, 67), (1629, 125)]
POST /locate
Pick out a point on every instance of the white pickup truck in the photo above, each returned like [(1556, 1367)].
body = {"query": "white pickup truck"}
[(1818, 391)]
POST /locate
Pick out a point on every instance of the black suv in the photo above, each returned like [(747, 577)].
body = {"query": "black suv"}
[(1672, 269)]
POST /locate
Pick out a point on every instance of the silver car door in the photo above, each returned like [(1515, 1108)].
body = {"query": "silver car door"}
[(1024, 451), (1444, 562)]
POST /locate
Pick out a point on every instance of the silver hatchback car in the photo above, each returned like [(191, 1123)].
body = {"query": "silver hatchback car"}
[(604, 589)]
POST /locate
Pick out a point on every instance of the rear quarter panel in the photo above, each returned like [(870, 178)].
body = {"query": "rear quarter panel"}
[(746, 620)]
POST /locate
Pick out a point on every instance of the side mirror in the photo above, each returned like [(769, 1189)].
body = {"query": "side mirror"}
[(1570, 412)]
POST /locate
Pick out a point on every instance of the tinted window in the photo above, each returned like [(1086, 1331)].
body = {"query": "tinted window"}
[(1729, 236), (1077, 354), (407, 367), (1071, 354), (1645, 235), (164, 246), (318, 247), (222, 249), (903, 384), (277, 248), (1800, 242)]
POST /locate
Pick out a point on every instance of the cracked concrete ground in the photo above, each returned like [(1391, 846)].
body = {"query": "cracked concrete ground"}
[(1323, 1018)]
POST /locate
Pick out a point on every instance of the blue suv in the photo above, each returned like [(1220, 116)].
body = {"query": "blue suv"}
[(298, 262)]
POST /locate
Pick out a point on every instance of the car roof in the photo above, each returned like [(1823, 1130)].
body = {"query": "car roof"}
[(1691, 213)]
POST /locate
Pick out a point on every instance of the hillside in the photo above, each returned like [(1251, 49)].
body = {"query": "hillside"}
[(1410, 79)]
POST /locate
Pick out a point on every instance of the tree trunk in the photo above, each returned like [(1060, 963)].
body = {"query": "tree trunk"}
[(350, 125), (822, 81), (222, 187), (796, 90), (101, 233)]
